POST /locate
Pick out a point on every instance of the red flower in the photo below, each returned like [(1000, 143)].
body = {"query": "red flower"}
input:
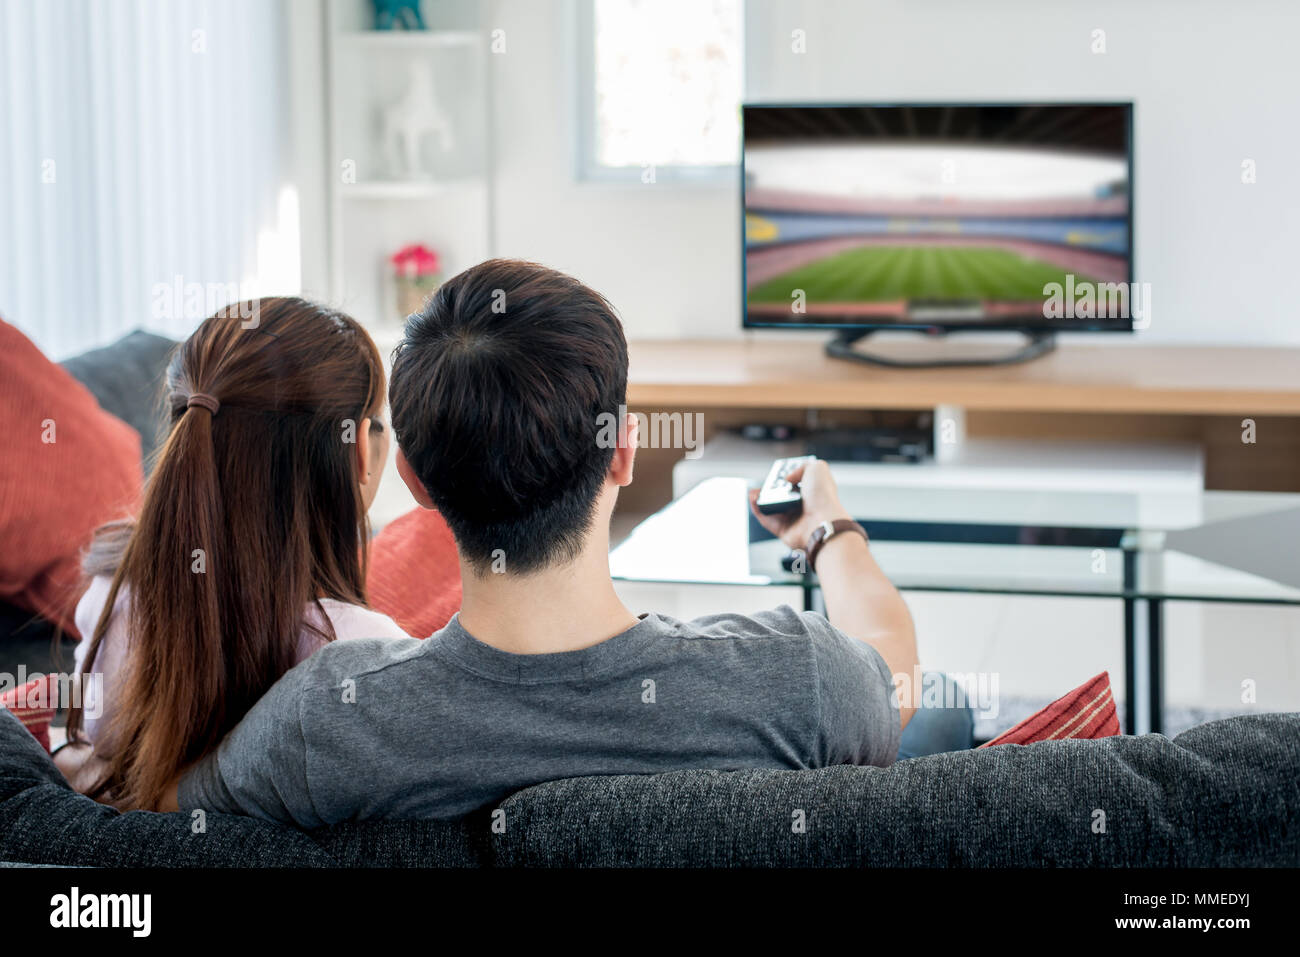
[(415, 261)]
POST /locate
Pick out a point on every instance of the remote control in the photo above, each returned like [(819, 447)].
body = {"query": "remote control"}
[(777, 495)]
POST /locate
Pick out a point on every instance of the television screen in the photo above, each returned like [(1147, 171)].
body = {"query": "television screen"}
[(1006, 216)]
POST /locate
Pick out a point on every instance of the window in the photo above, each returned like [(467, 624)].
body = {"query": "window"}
[(659, 88), (142, 167)]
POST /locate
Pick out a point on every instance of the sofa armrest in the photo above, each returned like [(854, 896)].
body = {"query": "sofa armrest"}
[(44, 821)]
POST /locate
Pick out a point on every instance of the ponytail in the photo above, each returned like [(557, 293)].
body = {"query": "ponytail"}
[(250, 490)]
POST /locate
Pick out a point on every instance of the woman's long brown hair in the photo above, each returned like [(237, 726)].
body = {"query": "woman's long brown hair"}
[(251, 514)]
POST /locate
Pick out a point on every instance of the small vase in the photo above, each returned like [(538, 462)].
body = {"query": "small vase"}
[(412, 293)]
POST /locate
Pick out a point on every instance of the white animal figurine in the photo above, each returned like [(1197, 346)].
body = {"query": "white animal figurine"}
[(407, 122)]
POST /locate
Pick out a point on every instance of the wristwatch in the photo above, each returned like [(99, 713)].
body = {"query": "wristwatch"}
[(824, 532)]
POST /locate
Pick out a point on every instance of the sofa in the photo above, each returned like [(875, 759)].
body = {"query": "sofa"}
[(1224, 794)]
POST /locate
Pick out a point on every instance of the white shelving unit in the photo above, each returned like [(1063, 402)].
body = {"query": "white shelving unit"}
[(389, 40), (374, 213)]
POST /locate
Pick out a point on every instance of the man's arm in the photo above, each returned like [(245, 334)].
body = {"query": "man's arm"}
[(860, 601), (260, 767)]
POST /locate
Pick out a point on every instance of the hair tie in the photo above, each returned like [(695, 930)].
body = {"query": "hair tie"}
[(203, 400)]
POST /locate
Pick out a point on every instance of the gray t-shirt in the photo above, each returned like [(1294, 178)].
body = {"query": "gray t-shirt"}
[(440, 727)]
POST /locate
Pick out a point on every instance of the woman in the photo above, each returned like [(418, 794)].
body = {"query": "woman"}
[(249, 551)]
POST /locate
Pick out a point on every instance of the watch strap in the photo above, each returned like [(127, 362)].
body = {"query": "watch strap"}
[(826, 531)]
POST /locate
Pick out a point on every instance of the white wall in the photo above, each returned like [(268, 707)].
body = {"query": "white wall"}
[(1213, 83), (667, 256), (308, 154)]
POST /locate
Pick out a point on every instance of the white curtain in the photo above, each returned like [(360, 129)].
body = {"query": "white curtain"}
[(141, 152)]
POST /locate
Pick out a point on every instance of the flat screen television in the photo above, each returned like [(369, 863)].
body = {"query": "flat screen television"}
[(938, 217)]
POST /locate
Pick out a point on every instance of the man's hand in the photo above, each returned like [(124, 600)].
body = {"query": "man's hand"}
[(860, 601), (821, 503)]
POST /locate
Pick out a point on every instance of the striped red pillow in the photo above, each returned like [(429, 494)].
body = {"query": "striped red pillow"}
[(1086, 712), (34, 705)]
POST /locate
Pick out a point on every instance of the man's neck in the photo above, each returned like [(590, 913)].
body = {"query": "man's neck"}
[(560, 608)]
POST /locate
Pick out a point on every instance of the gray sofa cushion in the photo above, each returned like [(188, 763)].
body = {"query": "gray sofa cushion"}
[(463, 843), (1223, 794), (126, 379)]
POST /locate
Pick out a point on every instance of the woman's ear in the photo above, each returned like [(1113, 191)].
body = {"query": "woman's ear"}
[(418, 491), (372, 456), (362, 443)]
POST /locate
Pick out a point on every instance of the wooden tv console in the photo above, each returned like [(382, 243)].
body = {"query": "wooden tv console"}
[(1114, 392)]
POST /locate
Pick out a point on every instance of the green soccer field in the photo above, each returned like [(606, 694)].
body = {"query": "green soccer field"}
[(884, 273)]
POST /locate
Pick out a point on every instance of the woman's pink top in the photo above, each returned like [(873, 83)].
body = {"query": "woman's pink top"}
[(99, 697)]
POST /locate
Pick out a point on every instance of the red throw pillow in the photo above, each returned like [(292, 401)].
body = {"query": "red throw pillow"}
[(68, 468), (1086, 712), (34, 705), (414, 573)]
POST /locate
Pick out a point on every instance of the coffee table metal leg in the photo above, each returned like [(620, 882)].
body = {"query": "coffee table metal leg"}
[(1130, 643), (1155, 663)]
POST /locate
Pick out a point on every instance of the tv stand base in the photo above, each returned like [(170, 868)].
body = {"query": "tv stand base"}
[(1039, 344)]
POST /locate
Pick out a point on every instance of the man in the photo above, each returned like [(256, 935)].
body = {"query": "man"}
[(499, 390)]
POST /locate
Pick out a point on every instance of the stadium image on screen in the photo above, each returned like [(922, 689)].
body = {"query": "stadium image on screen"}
[(962, 215)]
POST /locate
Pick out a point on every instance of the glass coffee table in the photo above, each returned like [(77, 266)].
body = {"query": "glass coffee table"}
[(1141, 549)]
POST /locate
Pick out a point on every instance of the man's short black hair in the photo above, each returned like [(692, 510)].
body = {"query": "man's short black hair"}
[(498, 390)]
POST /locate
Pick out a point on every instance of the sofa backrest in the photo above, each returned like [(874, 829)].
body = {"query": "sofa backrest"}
[(1226, 793), (1223, 794), (126, 379)]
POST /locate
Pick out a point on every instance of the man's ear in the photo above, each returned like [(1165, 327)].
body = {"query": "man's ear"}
[(418, 491), (620, 468)]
